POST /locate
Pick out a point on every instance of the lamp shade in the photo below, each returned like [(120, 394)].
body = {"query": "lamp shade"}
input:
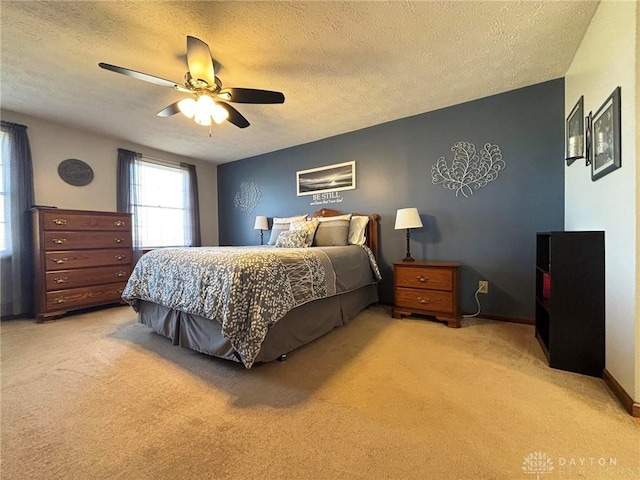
[(261, 223), (408, 218)]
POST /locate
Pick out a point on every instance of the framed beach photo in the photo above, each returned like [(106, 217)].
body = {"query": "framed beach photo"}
[(332, 178), (605, 137), (574, 133)]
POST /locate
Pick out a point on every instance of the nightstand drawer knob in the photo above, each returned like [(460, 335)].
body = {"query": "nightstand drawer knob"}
[(120, 274), (118, 223), (60, 280), (120, 257), (422, 278), (59, 261), (59, 221), (118, 240), (58, 241), (60, 300), (423, 300)]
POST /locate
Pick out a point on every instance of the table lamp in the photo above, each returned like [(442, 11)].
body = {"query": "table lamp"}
[(261, 224), (408, 218)]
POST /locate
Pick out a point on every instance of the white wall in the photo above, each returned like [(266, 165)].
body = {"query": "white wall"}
[(52, 143), (606, 59)]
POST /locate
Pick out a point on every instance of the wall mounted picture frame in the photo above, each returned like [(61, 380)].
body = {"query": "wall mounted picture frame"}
[(587, 140), (332, 178), (574, 133), (605, 137)]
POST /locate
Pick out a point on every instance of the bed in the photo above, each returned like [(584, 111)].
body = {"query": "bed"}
[(255, 304)]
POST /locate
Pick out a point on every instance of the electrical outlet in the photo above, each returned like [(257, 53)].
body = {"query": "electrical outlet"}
[(483, 286)]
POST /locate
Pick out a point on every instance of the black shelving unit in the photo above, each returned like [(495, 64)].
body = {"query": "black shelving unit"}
[(570, 300)]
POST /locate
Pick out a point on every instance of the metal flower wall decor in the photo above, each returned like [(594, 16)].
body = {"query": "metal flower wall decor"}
[(468, 171), (248, 197)]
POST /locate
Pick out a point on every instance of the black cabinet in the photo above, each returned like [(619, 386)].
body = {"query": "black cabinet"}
[(570, 300)]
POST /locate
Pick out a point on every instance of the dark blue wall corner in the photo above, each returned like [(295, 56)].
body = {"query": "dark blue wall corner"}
[(492, 232)]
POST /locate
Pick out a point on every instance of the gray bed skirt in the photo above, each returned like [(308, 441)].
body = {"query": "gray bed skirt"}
[(298, 327)]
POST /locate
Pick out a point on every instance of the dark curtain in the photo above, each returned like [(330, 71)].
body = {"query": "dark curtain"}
[(194, 205), (17, 261), (125, 178)]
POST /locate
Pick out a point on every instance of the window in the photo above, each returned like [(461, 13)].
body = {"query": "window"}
[(5, 212), (161, 206)]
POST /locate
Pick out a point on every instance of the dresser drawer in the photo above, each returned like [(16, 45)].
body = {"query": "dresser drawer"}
[(63, 240), (68, 259), (425, 300), (425, 277), (85, 296), (86, 276), (60, 220)]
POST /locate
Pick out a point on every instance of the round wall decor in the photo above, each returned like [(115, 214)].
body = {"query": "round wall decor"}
[(75, 172)]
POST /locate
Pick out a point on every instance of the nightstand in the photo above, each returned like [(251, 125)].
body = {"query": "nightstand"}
[(427, 288)]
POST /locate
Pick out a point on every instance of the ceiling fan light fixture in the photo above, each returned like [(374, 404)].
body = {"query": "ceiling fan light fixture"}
[(188, 107), (219, 113), (204, 106)]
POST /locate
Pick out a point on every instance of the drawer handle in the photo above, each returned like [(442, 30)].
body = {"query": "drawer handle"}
[(119, 223), (60, 300), (120, 274), (59, 221), (118, 240), (60, 261), (60, 280), (423, 300), (120, 257), (59, 241), (422, 278)]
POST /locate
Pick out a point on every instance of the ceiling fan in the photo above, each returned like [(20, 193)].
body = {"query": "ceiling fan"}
[(208, 100)]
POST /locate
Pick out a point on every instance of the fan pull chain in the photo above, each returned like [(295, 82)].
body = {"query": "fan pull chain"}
[(209, 130)]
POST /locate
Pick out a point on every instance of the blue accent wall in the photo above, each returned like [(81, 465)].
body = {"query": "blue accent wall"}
[(492, 233)]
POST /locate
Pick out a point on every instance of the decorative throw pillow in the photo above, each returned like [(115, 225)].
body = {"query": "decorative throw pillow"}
[(357, 229), (292, 239), (306, 226), (281, 224), (332, 233)]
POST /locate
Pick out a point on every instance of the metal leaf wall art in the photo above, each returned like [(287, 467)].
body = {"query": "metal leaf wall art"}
[(468, 171), (248, 197)]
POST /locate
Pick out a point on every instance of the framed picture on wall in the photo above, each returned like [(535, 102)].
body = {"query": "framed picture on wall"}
[(332, 178), (605, 137), (574, 133)]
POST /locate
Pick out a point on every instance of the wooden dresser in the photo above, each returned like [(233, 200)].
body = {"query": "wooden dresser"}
[(82, 259), (427, 288)]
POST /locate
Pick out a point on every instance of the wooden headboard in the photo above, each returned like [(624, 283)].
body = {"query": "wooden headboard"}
[(372, 230)]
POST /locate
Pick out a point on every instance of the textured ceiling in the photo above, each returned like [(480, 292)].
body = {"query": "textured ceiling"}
[(342, 66)]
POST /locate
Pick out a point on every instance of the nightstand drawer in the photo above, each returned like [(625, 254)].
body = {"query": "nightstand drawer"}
[(425, 300), (425, 277)]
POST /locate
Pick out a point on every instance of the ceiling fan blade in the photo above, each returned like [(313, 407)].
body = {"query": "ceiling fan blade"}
[(139, 75), (250, 95), (170, 110), (235, 116), (199, 61)]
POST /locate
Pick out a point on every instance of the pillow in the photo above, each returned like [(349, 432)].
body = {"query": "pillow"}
[(357, 229), (276, 229), (292, 239), (337, 217), (281, 224), (297, 218), (306, 226), (332, 233)]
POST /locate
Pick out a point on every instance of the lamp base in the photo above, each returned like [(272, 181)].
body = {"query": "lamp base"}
[(408, 259)]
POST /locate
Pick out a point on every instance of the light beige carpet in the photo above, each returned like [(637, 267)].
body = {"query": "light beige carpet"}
[(98, 396)]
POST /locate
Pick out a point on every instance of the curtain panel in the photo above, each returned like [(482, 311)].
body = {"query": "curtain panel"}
[(133, 188), (17, 259)]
